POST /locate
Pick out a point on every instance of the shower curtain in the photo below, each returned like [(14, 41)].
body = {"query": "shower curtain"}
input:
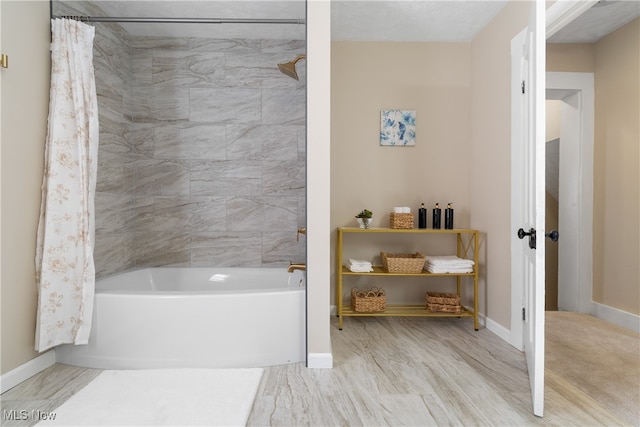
[(65, 272)]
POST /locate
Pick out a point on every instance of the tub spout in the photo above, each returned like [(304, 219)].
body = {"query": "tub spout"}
[(293, 267)]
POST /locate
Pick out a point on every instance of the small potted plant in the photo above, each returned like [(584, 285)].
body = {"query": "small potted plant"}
[(364, 218)]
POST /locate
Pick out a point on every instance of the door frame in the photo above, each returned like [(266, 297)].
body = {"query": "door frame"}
[(557, 16), (575, 275)]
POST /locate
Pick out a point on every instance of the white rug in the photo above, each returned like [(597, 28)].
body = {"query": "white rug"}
[(157, 397)]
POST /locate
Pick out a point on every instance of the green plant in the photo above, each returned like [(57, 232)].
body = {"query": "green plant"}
[(365, 213)]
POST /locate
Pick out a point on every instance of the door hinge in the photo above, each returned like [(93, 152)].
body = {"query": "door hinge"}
[(523, 314), (523, 86)]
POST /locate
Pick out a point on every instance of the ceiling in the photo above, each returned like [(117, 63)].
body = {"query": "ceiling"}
[(358, 20), (603, 18)]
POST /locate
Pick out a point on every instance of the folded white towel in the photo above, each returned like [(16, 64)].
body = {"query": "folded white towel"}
[(360, 269), (358, 262), (447, 260), (402, 209), (447, 269)]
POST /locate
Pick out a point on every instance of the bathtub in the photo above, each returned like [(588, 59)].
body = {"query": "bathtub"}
[(194, 318)]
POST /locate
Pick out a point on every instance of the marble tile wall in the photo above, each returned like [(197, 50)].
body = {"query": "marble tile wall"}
[(202, 150), (219, 141)]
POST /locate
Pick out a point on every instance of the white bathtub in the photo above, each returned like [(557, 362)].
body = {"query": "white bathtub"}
[(194, 318)]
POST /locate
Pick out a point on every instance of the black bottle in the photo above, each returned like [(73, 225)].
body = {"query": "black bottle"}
[(448, 217), (436, 216), (422, 216)]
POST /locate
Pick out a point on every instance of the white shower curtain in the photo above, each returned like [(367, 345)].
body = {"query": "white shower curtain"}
[(65, 271)]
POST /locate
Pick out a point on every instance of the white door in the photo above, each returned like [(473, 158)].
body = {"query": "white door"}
[(528, 163)]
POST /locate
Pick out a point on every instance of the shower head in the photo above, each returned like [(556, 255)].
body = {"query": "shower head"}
[(289, 68)]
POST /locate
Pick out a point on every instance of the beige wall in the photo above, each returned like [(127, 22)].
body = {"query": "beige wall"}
[(616, 260), (25, 95), (570, 57), (490, 150), (614, 60), (434, 80)]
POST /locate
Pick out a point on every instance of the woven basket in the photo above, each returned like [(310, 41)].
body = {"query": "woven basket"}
[(370, 301), (403, 263), (448, 303), (443, 308), (439, 298), (400, 220)]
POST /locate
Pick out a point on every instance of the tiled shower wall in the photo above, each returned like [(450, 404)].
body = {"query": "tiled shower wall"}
[(202, 151), (219, 136)]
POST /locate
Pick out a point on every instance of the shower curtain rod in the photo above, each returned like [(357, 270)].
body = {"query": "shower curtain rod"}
[(182, 20)]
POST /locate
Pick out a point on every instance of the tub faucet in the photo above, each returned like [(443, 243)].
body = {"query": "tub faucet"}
[(293, 267)]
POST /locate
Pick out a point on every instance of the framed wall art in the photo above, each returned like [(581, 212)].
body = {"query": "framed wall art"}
[(398, 128)]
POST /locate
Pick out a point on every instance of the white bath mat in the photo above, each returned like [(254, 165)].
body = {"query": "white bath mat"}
[(157, 397)]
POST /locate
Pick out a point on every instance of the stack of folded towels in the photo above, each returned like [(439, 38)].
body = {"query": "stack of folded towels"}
[(448, 264), (358, 266)]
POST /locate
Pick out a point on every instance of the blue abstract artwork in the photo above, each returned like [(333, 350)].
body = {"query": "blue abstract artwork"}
[(398, 128)]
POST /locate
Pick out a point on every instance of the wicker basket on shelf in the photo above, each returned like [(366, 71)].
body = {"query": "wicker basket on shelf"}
[(400, 220), (441, 302), (371, 301), (402, 263)]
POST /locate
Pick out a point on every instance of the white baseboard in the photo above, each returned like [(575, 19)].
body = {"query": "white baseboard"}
[(333, 310), (27, 370), (618, 317), (501, 332), (320, 360)]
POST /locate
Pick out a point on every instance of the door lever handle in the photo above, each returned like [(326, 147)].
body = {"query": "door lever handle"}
[(532, 236)]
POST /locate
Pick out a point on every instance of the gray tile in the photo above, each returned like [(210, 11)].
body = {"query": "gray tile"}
[(256, 70), (113, 253), (115, 213), (224, 106), (155, 249), (262, 213), (286, 178), (226, 178), (283, 106), (261, 142), (148, 42), (226, 249), (207, 69), (114, 136), (161, 178), (140, 137), (144, 219), (189, 141), (195, 214), (302, 143), (142, 101), (171, 68), (279, 249), (183, 126), (280, 143), (225, 45), (170, 103), (115, 173), (141, 67)]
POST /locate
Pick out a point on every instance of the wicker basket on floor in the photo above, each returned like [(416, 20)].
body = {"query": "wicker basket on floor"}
[(403, 263), (371, 301), (400, 220), (441, 302)]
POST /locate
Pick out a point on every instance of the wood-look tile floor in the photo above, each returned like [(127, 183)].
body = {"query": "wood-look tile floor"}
[(387, 371)]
